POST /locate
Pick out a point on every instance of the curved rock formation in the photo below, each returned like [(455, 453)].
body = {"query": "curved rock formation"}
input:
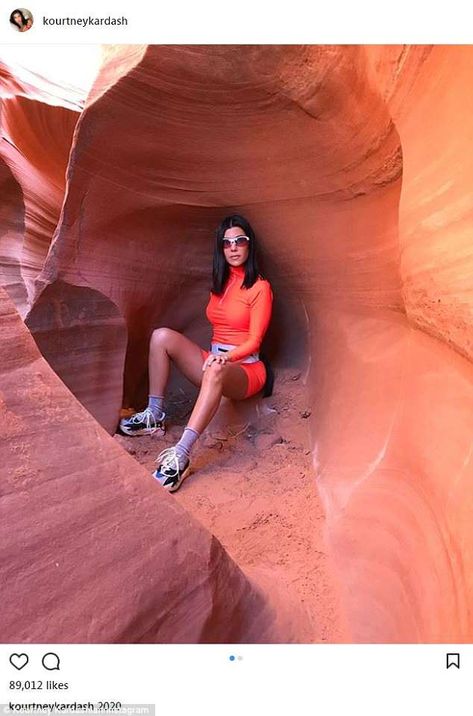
[(36, 139), (66, 318), (352, 165), (12, 212), (116, 559)]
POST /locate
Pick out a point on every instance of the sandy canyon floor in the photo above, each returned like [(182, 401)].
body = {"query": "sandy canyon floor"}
[(255, 490)]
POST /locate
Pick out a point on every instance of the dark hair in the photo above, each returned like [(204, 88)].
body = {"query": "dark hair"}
[(23, 18), (221, 269)]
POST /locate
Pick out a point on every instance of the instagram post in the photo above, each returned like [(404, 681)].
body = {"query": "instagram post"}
[(236, 382)]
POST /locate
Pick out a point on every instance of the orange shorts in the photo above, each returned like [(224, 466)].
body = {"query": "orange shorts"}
[(256, 374)]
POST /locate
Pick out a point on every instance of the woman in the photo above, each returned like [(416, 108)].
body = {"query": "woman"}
[(20, 20), (239, 311)]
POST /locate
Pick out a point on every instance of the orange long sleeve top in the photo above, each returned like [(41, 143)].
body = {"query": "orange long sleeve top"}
[(240, 316)]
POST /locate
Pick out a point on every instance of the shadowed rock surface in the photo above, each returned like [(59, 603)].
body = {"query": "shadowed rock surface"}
[(66, 318), (92, 549)]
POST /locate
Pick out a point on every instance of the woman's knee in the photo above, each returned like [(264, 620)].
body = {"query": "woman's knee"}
[(163, 336), (214, 374)]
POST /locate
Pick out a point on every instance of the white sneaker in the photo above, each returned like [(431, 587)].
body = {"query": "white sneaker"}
[(144, 423), (168, 473)]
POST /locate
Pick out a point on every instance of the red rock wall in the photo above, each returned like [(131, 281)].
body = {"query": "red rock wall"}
[(392, 424), (192, 133), (12, 213), (65, 319), (92, 549), (37, 137)]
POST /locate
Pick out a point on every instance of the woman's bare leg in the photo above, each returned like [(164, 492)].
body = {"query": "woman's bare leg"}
[(166, 345), (218, 380)]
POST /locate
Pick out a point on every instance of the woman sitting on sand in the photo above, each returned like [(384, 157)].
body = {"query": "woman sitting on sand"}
[(239, 311)]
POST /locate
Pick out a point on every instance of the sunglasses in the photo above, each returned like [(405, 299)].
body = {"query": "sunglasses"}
[(238, 241)]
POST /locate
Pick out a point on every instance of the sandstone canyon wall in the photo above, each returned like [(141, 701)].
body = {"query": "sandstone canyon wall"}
[(352, 165), (37, 133), (92, 550)]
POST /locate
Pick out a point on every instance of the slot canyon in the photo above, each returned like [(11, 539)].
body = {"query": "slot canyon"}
[(337, 509)]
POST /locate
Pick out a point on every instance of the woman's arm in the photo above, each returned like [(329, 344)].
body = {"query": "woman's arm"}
[(260, 316)]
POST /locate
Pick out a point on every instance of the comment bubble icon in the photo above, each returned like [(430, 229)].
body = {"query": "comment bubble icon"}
[(50, 661)]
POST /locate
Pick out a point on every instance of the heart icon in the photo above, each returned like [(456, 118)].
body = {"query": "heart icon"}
[(19, 660)]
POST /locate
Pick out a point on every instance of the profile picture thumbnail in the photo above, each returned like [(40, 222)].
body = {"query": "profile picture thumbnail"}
[(21, 19)]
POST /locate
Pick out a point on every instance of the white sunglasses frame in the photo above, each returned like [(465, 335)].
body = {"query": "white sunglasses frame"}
[(234, 239)]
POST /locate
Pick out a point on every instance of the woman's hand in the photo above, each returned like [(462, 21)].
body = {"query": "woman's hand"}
[(221, 358)]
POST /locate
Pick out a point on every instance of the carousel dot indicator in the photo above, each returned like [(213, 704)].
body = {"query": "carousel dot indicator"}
[(232, 658)]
